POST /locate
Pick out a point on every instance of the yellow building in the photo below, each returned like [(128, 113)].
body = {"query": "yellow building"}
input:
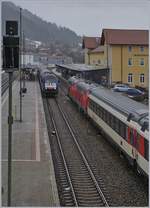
[(126, 55), (96, 56)]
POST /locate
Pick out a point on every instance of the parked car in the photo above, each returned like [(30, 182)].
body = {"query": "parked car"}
[(135, 94), (120, 88)]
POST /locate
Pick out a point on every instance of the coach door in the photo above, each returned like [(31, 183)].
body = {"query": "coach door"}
[(132, 141)]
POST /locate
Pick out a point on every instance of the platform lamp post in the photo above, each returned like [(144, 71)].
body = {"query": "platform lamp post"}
[(10, 64), (24, 89), (20, 72)]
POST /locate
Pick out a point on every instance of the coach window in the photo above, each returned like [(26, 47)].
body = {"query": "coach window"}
[(111, 120), (113, 124), (94, 106), (146, 149), (100, 111), (137, 141), (90, 103), (122, 131), (97, 109), (117, 125), (103, 114), (107, 117), (131, 137)]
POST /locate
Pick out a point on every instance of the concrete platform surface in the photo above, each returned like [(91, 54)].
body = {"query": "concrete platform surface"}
[(33, 179)]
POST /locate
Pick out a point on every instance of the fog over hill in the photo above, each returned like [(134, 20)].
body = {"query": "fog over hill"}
[(38, 29)]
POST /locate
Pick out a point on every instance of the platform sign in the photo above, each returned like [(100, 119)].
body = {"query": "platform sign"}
[(10, 53)]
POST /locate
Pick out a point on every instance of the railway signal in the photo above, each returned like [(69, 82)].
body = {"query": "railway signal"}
[(10, 64), (10, 53)]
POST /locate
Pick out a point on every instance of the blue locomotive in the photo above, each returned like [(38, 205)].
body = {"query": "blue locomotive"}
[(49, 83)]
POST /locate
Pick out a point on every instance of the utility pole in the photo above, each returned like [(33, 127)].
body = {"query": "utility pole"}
[(23, 63), (20, 52), (10, 122)]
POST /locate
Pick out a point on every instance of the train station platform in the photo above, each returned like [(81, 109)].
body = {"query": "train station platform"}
[(33, 178)]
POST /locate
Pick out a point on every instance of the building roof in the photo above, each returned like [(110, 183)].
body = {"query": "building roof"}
[(80, 67), (127, 37), (90, 42), (98, 49)]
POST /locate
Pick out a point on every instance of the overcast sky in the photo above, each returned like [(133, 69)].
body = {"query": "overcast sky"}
[(88, 17)]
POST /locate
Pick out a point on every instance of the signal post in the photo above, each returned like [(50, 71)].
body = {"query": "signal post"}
[(10, 64)]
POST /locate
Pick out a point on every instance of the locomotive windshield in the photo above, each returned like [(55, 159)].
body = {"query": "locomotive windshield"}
[(51, 79)]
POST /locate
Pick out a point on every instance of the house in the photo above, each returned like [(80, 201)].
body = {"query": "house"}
[(88, 44), (96, 56), (126, 55)]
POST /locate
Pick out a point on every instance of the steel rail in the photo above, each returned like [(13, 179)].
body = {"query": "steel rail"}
[(64, 160), (83, 157)]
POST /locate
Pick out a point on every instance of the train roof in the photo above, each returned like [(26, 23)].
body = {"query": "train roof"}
[(136, 110), (86, 86), (42, 71), (73, 80)]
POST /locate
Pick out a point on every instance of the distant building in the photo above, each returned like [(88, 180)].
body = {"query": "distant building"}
[(44, 58), (59, 60), (32, 44), (29, 59)]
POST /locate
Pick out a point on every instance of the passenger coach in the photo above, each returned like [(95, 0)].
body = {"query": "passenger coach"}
[(124, 121)]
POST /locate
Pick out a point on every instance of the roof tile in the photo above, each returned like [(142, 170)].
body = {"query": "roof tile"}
[(119, 36), (90, 42)]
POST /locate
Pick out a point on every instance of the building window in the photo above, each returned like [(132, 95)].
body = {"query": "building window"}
[(129, 48), (141, 48), (130, 78), (142, 62), (130, 62), (142, 78), (99, 61)]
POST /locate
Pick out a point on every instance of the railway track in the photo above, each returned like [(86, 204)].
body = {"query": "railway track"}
[(79, 186), (4, 85), (5, 82)]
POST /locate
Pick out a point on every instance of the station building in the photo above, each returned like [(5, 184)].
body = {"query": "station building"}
[(91, 73)]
